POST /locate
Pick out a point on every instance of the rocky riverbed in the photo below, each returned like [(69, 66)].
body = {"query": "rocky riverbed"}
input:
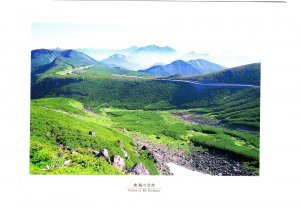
[(211, 161)]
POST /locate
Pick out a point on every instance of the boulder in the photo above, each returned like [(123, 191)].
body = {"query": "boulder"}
[(67, 163), (92, 133), (139, 169), (105, 154), (144, 147), (119, 163)]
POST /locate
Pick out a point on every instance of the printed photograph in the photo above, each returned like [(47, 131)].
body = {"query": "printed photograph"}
[(142, 100)]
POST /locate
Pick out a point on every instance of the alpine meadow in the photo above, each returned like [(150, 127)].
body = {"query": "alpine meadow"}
[(140, 111)]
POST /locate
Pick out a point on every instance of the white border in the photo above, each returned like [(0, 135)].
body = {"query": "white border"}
[(275, 190)]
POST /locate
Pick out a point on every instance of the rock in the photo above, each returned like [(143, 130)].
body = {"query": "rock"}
[(157, 137), (93, 133), (105, 154), (119, 163), (61, 146), (139, 169), (67, 163), (144, 147)]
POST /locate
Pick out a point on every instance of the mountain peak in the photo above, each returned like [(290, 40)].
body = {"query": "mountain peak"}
[(117, 56), (120, 60), (179, 61), (155, 48), (57, 49), (67, 53), (181, 67)]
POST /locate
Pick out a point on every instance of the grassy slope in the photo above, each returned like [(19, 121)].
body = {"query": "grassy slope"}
[(239, 108), (233, 106), (179, 134), (61, 120), (245, 74), (57, 121)]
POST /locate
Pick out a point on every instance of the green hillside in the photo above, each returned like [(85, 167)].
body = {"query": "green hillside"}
[(61, 121), (82, 110), (56, 121), (150, 94), (41, 57), (245, 74)]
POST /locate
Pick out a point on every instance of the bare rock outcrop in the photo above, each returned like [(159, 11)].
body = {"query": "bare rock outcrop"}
[(119, 163), (139, 169), (67, 163), (105, 155), (92, 133)]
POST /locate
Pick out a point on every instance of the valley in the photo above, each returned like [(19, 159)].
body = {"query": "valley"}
[(92, 118)]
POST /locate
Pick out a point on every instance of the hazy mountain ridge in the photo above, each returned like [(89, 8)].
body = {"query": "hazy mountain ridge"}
[(120, 60), (181, 67), (154, 49), (206, 66)]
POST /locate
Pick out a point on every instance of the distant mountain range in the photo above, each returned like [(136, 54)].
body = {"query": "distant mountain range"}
[(150, 60), (149, 55), (143, 56), (43, 59), (100, 54), (181, 67), (155, 49), (120, 60)]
